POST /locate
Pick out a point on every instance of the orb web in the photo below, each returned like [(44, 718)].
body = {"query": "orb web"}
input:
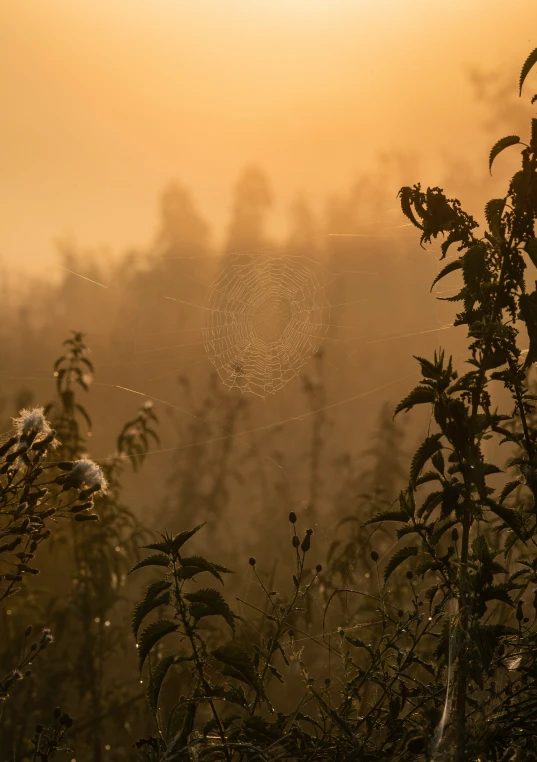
[(265, 318)]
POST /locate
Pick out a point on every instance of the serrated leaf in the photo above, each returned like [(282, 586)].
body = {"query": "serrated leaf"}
[(238, 664), (387, 516), (449, 268), (162, 547), (509, 487), (398, 557), (156, 560), (180, 726), (151, 636), (510, 517), (152, 600), (180, 539), (406, 206), (481, 549), (527, 67), (209, 602), (156, 678), (192, 565), (418, 396), (424, 452), (493, 214), (498, 147)]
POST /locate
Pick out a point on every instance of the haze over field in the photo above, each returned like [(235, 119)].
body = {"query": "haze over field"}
[(106, 102)]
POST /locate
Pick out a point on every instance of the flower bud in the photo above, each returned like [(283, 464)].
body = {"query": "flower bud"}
[(374, 556), (292, 517), (251, 561)]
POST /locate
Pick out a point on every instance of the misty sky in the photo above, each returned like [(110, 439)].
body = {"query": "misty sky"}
[(105, 101)]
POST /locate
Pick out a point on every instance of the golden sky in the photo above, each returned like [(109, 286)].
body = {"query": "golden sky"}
[(105, 101)]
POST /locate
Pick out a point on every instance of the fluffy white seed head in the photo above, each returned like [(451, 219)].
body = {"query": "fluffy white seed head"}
[(32, 421), (85, 471)]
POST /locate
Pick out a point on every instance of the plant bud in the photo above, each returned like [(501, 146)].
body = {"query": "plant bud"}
[(82, 507), (86, 517), (66, 721), (251, 561), (28, 631), (306, 542), (374, 556), (519, 611), (454, 534), (318, 568), (292, 517), (409, 574), (296, 541), (39, 729)]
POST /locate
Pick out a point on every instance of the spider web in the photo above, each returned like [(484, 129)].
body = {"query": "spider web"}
[(264, 320)]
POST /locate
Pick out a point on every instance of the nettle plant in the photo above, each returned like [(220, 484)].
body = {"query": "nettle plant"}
[(448, 670), (489, 564)]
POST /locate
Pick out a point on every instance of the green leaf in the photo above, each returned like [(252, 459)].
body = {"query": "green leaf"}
[(528, 65), (238, 664), (424, 452), (180, 539), (498, 147), (209, 602), (192, 565), (152, 600), (456, 264), (398, 558), (155, 560), (151, 636), (418, 396)]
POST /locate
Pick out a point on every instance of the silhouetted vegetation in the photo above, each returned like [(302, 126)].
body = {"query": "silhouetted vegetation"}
[(340, 638)]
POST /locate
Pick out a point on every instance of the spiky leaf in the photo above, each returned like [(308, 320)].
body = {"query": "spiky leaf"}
[(180, 539), (237, 663), (209, 602), (152, 600), (527, 67), (192, 565), (418, 396), (151, 636), (387, 516), (498, 147), (398, 557), (449, 268), (509, 487), (425, 451), (156, 560)]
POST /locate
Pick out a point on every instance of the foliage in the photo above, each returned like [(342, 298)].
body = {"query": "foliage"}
[(435, 658)]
